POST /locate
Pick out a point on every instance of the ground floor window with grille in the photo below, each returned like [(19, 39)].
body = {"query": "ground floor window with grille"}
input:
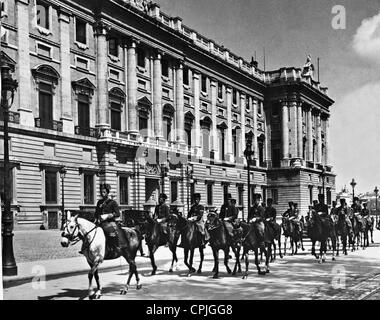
[(88, 188), (209, 194), (174, 190), (124, 189), (51, 186)]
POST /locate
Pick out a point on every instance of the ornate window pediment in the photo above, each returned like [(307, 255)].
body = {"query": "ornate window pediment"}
[(144, 105), (83, 86), (46, 73), (222, 126)]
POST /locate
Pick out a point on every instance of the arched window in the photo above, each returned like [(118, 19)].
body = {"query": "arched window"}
[(189, 119), (117, 102), (46, 78), (168, 114), (205, 127)]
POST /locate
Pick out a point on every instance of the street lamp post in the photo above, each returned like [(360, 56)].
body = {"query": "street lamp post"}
[(8, 88), (376, 194), (323, 175), (353, 184), (248, 154), (189, 179), (62, 173)]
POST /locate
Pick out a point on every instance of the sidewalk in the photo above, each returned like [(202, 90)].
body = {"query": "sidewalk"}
[(57, 268)]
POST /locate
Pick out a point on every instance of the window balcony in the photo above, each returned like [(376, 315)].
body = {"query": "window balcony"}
[(52, 125), (89, 132)]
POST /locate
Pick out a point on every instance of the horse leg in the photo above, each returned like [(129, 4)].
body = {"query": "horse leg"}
[(215, 253), (273, 257), (173, 249), (279, 247), (302, 247), (186, 255), (245, 254), (235, 251), (98, 292), (152, 262), (333, 243), (372, 236), (268, 255), (191, 261), (292, 245), (226, 254), (91, 291), (201, 253), (257, 262)]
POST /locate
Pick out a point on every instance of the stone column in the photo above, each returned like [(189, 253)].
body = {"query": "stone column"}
[(157, 95), (132, 123), (102, 108), (299, 130), (327, 136), (242, 131), (293, 127), (66, 105), (180, 111), (229, 124), (215, 144), (310, 133), (285, 131), (197, 125), (255, 146), (24, 89), (319, 138)]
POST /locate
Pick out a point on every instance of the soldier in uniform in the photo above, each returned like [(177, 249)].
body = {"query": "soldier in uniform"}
[(257, 211), (321, 208), (196, 215), (225, 206), (229, 217), (161, 212), (357, 209), (107, 210), (270, 216), (343, 210), (365, 212), (334, 209)]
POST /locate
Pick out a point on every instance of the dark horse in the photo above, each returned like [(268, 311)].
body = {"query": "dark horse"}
[(156, 237), (368, 229), (342, 231), (356, 229), (191, 239), (221, 240), (321, 229), (294, 233), (254, 239)]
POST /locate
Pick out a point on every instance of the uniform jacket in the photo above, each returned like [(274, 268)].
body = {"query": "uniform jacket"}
[(322, 208), (257, 211), (357, 208), (271, 213), (196, 210), (161, 211)]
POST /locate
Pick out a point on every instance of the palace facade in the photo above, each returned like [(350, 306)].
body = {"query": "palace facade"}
[(119, 92)]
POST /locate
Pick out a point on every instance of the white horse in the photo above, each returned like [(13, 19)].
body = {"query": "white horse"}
[(94, 249)]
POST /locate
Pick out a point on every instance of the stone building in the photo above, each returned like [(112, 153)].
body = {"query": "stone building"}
[(119, 92)]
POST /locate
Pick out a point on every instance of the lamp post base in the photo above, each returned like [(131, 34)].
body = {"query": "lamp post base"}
[(9, 263)]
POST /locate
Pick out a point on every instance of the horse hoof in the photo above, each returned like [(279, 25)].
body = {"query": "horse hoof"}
[(192, 270), (268, 271), (170, 270), (189, 275), (281, 256), (262, 273), (199, 271), (245, 276), (215, 276), (123, 291), (333, 259), (139, 286), (234, 273), (229, 271), (97, 296)]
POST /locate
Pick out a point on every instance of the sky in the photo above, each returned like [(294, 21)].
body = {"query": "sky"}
[(291, 29)]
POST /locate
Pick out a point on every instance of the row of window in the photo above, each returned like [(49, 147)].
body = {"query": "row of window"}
[(88, 191)]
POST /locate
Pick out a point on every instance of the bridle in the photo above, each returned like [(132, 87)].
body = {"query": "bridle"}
[(75, 238)]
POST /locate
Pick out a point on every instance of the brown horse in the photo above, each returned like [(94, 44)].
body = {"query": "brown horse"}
[(221, 240), (191, 239), (254, 239), (320, 229), (342, 231), (157, 237), (294, 232)]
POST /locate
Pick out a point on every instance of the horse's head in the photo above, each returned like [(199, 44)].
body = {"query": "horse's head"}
[(212, 217), (70, 232), (172, 220)]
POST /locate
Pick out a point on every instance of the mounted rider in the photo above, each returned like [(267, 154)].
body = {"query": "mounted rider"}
[(225, 208), (229, 216), (196, 215), (342, 209), (270, 214), (334, 209), (293, 215), (257, 211), (161, 212), (106, 213), (357, 210)]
